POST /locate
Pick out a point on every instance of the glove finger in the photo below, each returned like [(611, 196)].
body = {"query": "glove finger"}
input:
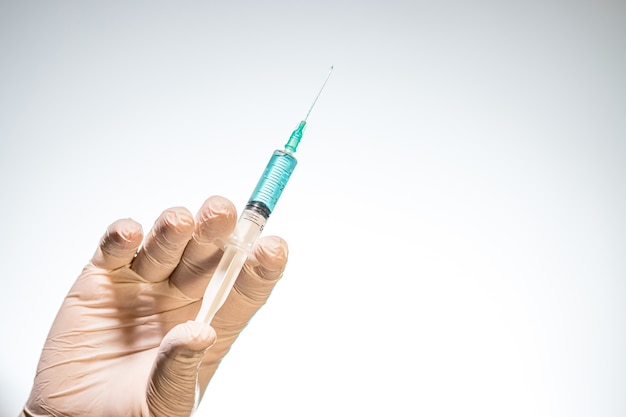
[(216, 219), (164, 245), (172, 385), (252, 289), (119, 245)]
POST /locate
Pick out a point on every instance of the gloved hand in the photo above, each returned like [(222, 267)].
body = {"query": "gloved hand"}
[(123, 343)]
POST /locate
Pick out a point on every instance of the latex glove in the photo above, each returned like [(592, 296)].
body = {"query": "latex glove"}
[(123, 344)]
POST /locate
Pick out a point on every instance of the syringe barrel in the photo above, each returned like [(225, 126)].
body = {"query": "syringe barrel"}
[(273, 181), (247, 231)]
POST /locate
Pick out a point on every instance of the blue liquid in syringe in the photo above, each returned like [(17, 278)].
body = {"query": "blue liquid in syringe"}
[(273, 181)]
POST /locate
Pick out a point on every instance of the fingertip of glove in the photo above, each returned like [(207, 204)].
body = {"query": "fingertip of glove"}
[(193, 336), (201, 335), (119, 244), (216, 218), (271, 253), (178, 219), (123, 234)]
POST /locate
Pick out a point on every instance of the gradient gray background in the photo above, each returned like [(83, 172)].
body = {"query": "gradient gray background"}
[(456, 223)]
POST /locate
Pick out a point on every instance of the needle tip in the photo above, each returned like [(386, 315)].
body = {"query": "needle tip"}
[(319, 92)]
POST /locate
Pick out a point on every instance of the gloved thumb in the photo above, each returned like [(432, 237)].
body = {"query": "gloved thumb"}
[(172, 387)]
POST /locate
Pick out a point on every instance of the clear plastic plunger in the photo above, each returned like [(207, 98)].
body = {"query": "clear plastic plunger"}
[(236, 252)]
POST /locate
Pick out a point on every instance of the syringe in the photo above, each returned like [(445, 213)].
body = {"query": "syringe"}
[(252, 220)]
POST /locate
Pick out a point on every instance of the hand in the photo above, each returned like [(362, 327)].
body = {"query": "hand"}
[(123, 343)]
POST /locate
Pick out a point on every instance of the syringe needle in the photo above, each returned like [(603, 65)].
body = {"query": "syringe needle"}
[(296, 135), (319, 92)]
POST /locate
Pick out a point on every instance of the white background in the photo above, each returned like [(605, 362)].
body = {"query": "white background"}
[(456, 221)]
